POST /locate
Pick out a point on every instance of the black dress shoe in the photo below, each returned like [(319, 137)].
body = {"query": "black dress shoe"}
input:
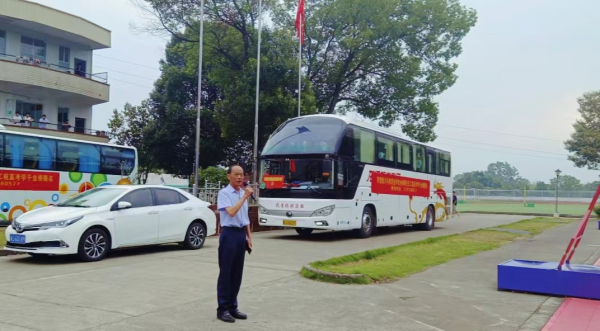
[(238, 315), (226, 317)]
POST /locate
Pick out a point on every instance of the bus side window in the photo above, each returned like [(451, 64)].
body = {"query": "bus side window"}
[(47, 154), (385, 152), (431, 162), (117, 161), (22, 152), (1, 149), (89, 158), (443, 164), (419, 158), (404, 156), (67, 156)]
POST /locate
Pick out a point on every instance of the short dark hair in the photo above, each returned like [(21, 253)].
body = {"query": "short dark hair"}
[(234, 165)]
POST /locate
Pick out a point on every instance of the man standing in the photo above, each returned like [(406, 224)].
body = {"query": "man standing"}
[(234, 240)]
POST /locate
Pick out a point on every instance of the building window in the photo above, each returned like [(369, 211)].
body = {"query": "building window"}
[(33, 48), (2, 42), (64, 57), (63, 115)]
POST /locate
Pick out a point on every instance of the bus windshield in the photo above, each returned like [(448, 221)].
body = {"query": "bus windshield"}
[(306, 135), (297, 174)]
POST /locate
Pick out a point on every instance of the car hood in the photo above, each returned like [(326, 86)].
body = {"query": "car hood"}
[(53, 213)]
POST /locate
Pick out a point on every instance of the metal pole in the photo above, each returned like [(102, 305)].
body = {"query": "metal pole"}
[(199, 106), (255, 150), (300, 37), (556, 204)]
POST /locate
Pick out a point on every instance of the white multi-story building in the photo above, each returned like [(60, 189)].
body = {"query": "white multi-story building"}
[(46, 69)]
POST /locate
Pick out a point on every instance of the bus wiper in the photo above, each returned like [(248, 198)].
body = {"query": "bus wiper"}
[(314, 189)]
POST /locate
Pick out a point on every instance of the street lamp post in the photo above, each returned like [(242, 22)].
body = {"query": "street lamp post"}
[(556, 203)]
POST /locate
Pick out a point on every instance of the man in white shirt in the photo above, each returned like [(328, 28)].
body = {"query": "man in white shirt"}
[(28, 120), (17, 119), (43, 122)]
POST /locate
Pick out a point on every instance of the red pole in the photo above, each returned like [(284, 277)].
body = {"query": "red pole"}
[(576, 239)]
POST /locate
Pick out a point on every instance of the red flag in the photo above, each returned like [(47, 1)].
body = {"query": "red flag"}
[(300, 19)]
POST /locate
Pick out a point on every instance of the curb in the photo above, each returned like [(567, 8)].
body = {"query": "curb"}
[(333, 274), (519, 214)]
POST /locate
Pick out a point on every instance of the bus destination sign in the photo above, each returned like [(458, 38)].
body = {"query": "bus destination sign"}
[(29, 180)]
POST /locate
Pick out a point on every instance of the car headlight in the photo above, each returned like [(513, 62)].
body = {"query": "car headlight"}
[(59, 224), (263, 210), (325, 211)]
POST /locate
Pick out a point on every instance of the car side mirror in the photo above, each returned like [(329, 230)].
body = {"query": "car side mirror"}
[(123, 205)]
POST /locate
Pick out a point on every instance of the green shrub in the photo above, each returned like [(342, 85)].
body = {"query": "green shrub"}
[(597, 210)]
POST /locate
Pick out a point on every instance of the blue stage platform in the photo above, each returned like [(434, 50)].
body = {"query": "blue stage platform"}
[(573, 280)]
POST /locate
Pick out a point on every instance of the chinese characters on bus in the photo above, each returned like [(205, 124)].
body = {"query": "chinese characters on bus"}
[(28, 180), (393, 184)]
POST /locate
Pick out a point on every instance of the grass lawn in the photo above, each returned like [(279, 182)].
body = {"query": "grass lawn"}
[(2, 239), (395, 262), (518, 207)]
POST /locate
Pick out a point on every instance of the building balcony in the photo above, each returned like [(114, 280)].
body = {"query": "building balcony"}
[(55, 130), (41, 80), (52, 22)]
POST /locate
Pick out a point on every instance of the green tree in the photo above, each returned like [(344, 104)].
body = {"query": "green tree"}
[(507, 175), (211, 175), (542, 186), (566, 183), (591, 186), (228, 85), (130, 127), (584, 144), (386, 59)]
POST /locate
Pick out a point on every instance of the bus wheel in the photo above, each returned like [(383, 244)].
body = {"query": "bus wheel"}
[(367, 223), (304, 232), (429, 221)]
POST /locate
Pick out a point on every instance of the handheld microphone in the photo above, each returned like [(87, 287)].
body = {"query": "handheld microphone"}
[(246, 185)]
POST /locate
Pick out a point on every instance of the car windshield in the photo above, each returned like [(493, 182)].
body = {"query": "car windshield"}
[(93, 198)]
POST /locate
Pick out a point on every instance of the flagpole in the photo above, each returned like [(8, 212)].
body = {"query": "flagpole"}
[(300, 36), (199, 105), (255, 150)]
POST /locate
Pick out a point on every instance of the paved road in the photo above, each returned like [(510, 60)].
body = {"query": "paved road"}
[(165, 288)]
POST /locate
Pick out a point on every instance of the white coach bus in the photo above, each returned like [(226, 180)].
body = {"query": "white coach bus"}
[(325, 172)]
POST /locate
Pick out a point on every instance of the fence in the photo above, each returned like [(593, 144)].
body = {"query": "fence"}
[(471, 194), (210, 192)]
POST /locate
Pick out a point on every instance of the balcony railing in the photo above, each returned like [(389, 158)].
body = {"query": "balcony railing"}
[(99, 77), (9, 122)]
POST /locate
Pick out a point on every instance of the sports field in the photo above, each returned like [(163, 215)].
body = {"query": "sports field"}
[(519, 207)]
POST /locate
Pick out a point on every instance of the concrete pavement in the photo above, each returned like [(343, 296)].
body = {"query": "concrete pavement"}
[(165, 288)]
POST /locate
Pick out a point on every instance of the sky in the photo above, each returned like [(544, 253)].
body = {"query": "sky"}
[(522, 68)]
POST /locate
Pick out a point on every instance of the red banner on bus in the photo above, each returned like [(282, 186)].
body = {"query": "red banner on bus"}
[(273, 181), (393, 184), (15, 180)]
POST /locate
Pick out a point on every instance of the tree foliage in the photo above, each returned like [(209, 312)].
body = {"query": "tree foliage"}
[(385, 60), (228, 83), (131, 127), (585, 140)]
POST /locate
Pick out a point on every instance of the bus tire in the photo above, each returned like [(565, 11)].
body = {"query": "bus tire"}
[(304, 232), (367, 223), (429, 221)]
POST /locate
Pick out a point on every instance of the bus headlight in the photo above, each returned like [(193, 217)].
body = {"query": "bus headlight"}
[(325, 211), (263, 210)]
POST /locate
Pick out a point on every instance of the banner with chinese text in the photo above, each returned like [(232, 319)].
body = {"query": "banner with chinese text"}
[(273, 181), (392, 184), (16, 180)]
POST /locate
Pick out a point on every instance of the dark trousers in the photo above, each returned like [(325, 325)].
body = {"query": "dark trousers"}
[(232, 250)]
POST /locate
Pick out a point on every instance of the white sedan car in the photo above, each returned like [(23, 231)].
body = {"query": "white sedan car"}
[(109, 217)]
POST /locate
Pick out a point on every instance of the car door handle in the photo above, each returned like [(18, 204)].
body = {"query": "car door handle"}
[(188, 208), (153, 212)]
